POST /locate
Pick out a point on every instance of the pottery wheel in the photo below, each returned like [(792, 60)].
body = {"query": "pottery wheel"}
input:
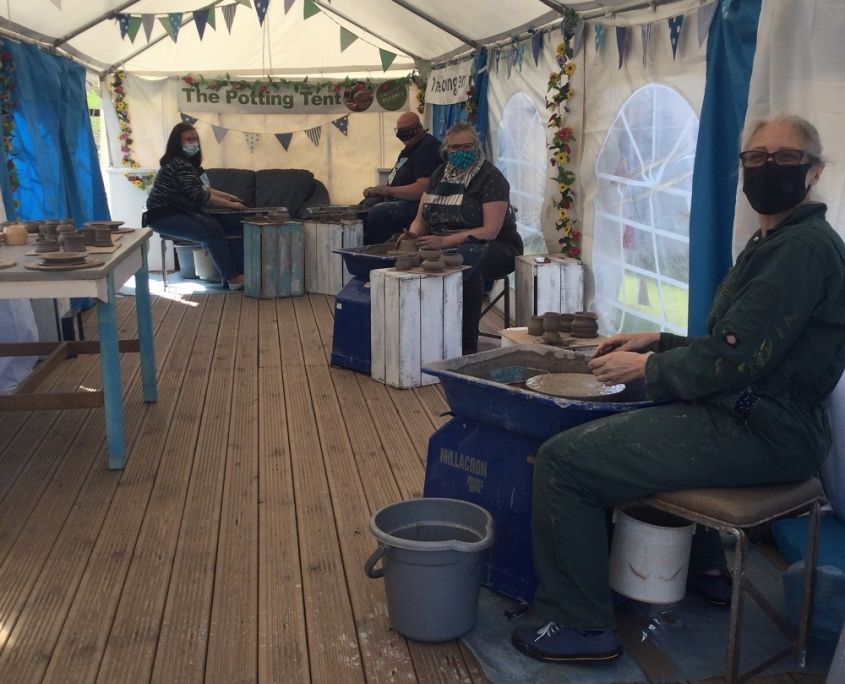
[(582, 386), (91, 262), (5, 263)]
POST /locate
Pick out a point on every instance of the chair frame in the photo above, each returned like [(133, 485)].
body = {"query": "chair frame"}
[(742, 585), (506, 293)]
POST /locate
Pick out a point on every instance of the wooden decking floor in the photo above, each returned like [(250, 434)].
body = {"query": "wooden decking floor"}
[(231, 547)]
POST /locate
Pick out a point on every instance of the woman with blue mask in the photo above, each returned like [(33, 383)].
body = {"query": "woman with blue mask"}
[(466, 205), (180, 196)]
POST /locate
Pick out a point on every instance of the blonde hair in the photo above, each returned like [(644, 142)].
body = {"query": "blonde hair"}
[(808, 133)]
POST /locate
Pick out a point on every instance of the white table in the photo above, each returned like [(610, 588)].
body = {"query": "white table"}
[(101, 283)]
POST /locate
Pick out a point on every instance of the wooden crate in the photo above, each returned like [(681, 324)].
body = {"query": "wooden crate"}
[(325, 272), (557, 285), (415, 319), (273, 260)]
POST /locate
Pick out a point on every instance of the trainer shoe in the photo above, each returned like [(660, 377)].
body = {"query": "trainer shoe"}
[(553, 643)]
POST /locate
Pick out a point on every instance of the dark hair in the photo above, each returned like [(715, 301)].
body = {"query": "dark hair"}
[(174, 146)]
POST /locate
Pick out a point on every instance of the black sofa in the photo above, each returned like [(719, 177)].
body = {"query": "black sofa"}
[(295, 189)]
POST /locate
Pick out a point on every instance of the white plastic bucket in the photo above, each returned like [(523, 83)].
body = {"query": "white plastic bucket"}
[(204, 266), (649, 556)]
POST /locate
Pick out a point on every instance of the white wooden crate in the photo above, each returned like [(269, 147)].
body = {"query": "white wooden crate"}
[(325, 272), (554, 286), (415, 319)]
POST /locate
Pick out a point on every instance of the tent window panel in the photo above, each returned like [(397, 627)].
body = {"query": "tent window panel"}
[(641, 228), (522, 159)]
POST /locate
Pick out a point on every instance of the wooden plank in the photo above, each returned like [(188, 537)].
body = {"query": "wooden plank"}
[(436, 316), (572, 286), (378, 325), (275, 281), (547, 286), (453, 307), (336, 239), (252, 260), (310, 266), (297, 282), (403, 341), (324, 256)]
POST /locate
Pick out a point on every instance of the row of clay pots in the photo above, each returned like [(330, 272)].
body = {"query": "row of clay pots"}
[(432, 260), (580, 324)]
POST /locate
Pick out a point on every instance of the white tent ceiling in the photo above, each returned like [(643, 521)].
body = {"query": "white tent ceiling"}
[(287, 44)]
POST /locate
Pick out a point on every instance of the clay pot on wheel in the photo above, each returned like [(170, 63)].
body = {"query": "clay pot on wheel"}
[(551, 321), (407, 244), (47, 244), (566, 322), (535, 326), (73, 243), (585, 324)]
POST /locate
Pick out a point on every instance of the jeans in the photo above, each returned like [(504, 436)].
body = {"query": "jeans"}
[(386, 219), (207, 230)]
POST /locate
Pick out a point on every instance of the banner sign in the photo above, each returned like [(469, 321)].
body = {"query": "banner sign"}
[(270, 97), (449, 84)]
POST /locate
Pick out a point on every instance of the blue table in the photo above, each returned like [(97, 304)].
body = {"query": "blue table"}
[(101, 283)]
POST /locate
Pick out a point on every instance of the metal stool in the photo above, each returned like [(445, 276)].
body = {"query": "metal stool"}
[(734, 510), (506, 293)]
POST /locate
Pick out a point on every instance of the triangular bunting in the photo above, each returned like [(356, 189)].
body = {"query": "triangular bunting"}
[(705, 16), (201, 19), (288, 5), (261, 10), (536, 47), (621, 43), (246, 2), (134, 25), (520, 55), (578, 38), (309, 9), (172, 23), (386, 58), (511, 61), (599, 36), (497, 55), (645, 30), (675, 24), (123, 24), (284, 139), (212, 20), (346, 38), (229, 15), (342, 124), (187, 119), (58, 3), (219, 133), (148, 21), (251, 138), (314, 135)]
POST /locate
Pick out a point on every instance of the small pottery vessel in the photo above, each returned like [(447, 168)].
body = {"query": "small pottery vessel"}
[(102, 237), (88, 235), (433, 265), (566, 322), (452, 257), (72, 242), (49, 228), (585, 324), (430, 254), (15, 234), (46, 244), (551, 321), (408, 244), (32, 227), (403, 263), (415, 260), (61, 232), (535, 326)]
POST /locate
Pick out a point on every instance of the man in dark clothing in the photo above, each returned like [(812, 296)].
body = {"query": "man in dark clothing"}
[(394, 206)]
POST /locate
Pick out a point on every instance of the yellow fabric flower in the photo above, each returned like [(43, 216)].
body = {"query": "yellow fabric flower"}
[(561, 48), (560, 157), (569, 68)]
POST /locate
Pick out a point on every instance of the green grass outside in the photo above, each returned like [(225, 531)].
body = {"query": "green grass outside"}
[(675, 303)]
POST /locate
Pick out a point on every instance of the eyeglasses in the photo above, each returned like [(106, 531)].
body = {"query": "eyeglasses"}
[(752, 159), (466, 147)]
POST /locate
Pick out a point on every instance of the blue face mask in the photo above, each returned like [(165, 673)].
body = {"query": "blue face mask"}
[(191, 149), (463, 159)]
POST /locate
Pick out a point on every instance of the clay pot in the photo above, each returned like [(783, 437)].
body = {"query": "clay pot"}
[(452, 257), (102, 236), (535, 326), (49, 228), (62, 232), (403, 263), (88, 235), (430, 254), (72, 242), (408, 244), (46, 244), (585, 324), (433, 265), (566, 322), (32, 227), (551, 321), (15, 234)]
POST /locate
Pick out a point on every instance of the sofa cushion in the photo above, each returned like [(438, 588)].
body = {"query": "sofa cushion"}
[(288, 188), (239, 182)]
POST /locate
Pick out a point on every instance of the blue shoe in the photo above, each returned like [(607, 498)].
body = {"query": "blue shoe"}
[(553, 643), (715, 589)]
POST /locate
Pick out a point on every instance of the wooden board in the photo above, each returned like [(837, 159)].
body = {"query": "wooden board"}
[(511, 336), (89, 263), (273, 260)]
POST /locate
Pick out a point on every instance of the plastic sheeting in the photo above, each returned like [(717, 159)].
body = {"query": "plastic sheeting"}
[(17, 324)]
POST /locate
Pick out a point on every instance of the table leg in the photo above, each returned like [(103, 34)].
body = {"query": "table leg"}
[(145, 330), (110, 365)]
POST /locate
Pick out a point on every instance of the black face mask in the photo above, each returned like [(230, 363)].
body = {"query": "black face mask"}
[(406, 134), (771, 189)]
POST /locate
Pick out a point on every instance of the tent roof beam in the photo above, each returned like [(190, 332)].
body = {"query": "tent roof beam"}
[(111, 14), (439, 24)]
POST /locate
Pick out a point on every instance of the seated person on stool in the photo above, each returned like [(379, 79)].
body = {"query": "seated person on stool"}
[(180, 195), (467, 205), (394, 206), (746, 403)]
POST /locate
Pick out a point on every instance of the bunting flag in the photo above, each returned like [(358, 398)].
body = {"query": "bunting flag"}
[(187, 119), (148, 21), (284, 139), (172, 23), (346, 38), (134, 25), (212, 20), (229, 15), (511, 61), (621, 43), (342, 124), (247, 2), (497, 54), (251, 138), (288, 5), (536, 47), (386, 58), (309, 9), (201, 19), (219, 133), (578, 38), (645, 30), (260, 9), (675, 24), (123, 23), (58, 3), (520, 55), (314, 135), (705, 16), (599, 36)]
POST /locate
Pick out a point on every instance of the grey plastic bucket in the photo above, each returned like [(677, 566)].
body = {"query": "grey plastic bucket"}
[(430, 552), (185, 254)]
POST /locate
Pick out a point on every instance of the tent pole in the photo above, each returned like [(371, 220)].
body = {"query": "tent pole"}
[(612, 11), (439, 24), (111, 14), (558, 7)]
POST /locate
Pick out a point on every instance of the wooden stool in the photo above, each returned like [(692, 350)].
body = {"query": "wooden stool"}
[(734, 510), (415, 319), (556, 284), (325, 272), (273, 259)]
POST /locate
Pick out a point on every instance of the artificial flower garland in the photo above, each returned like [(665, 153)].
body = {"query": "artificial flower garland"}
[(7, 115), (558, 93), (141, 180), (121, 107)]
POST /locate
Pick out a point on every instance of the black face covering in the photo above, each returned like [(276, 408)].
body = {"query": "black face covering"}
[(771, 189), (405, 134)]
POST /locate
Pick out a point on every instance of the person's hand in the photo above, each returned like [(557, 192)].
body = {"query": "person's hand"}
[(377, 191), (431, 241), (405, 234), (237, 204), (629, 342), (619, 367)]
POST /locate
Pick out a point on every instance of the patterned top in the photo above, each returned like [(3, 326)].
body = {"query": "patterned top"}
[(178, 187)]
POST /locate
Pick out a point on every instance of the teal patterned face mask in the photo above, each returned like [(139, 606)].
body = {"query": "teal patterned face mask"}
[(463, 159)]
